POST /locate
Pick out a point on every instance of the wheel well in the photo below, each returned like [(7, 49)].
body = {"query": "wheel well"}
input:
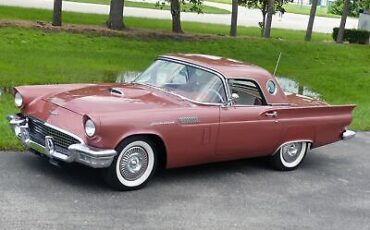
[(160, 146), (310, 143)]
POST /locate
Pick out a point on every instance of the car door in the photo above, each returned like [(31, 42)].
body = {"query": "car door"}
[(248, 127)]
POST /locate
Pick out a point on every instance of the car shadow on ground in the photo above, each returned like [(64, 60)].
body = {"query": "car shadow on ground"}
[(83, 177)]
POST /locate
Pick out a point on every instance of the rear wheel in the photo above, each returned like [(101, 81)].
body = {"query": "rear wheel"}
[(134, 164), (289, 156)]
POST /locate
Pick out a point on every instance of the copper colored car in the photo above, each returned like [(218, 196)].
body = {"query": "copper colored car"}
[(185, 109)]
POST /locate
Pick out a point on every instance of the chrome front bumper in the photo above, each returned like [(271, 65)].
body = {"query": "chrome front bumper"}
[(80, 153), (348, 134)]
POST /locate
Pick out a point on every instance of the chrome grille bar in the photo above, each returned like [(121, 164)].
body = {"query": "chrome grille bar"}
[(38, 132)]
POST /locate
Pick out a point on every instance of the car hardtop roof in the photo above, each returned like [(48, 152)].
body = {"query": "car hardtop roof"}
[(229, 68)]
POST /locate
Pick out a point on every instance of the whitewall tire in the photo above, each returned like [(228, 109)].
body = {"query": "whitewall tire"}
[(290, 155), (134, 164)]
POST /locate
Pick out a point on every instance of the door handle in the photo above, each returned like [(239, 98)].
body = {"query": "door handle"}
[(272, 114)]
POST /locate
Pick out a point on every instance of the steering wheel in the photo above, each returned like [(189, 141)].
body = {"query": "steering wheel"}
[(212, 93)]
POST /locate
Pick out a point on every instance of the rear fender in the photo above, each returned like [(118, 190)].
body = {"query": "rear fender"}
[(320, 124)]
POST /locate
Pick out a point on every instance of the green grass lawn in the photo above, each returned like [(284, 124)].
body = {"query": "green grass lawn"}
[(340, 73), (157, 24), (184, 7), (7, 139), (298, 9), (221, 1)]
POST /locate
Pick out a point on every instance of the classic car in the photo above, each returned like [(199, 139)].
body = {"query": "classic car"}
[(185, 109)]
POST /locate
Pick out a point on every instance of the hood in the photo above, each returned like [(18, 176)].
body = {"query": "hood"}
[(108, 98)]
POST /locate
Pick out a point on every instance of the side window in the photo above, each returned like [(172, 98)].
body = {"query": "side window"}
[(248, 92)]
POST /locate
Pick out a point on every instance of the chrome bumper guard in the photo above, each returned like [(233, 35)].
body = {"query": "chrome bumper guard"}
[(80, 153), (348, 134)]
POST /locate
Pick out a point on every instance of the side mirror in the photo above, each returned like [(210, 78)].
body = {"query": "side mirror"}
[(234, 97)]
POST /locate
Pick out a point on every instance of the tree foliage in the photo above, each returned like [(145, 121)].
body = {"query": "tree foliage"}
[(356, 6), (263, 6), (195, 5)]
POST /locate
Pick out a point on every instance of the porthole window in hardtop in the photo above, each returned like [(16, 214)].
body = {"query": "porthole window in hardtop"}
[(271, 87), (248, 92)]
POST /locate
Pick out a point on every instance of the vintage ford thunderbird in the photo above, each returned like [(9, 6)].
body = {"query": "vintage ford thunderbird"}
[(185, 109)]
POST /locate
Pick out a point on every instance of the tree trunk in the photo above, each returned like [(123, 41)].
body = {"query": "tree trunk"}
[(57, 13), (263, 11), (267, 25), (234, 18), (176, 20), (311, 21), (346, 7), (115, 20), (263, 21)]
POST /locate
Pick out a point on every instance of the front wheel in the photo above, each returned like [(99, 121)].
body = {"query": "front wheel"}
[(289, 156), (133, 166)]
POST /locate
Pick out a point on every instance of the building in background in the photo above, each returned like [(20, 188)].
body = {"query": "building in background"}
[(364, 21)]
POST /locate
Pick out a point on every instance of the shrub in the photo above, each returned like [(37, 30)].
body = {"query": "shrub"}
[(353, 35), (336, 7)]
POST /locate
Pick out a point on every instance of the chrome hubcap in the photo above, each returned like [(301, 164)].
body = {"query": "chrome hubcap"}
[(291, 151), (133, 163)]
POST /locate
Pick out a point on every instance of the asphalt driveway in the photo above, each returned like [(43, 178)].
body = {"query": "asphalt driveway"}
[(331, 190)]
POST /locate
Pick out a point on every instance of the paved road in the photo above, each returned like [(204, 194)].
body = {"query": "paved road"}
[(331, 190), (247, 17)]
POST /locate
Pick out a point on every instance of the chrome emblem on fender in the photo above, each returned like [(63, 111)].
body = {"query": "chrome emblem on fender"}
[(189, 120), (49, 145)]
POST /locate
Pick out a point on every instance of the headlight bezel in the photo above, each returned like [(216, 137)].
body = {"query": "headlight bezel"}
[(90, 127), (18, 100)]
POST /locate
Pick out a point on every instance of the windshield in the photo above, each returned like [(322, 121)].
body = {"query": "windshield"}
[(190, 82)]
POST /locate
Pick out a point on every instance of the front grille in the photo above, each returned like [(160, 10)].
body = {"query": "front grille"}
[(38, 130)]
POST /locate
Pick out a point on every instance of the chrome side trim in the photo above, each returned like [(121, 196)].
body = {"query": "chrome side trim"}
[(310, 142), (348, 134)]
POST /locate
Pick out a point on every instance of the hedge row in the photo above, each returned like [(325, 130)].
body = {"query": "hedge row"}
[(353, 35)]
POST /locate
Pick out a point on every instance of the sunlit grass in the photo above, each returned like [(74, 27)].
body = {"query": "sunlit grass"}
[(184, 7), (157, 24)]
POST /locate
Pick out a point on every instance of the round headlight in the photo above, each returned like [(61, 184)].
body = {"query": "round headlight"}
[(89, 128), (18, 100)]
